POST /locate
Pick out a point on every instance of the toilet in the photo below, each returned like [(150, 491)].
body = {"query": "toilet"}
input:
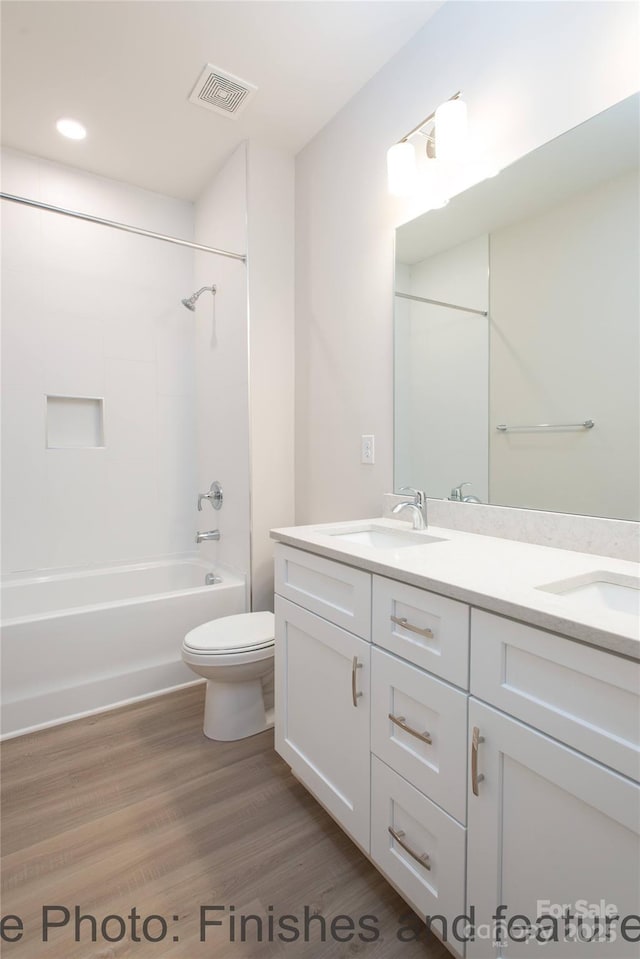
[(233, 654)]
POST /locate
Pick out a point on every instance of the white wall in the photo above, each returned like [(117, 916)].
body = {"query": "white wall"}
[(245, 435), (222, 408), (529, 71), (445, 401), (271, 321), (91, 311), (565, 346)]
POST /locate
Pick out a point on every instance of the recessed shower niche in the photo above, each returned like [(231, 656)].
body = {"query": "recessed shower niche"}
[(75, 422)]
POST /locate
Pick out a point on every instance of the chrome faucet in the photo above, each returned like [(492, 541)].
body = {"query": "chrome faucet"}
[(418, 507), (457, 497), (209, 535)]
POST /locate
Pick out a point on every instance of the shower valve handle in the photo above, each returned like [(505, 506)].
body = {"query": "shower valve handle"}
[(214, 496)]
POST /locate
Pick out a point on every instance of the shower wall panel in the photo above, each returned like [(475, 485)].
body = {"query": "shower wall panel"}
[(88, 311)]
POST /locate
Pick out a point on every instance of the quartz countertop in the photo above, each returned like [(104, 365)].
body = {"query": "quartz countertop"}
[(495, 574)]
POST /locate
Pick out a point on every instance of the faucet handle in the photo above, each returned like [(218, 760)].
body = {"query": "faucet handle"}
[(418, 495), (214, 496)]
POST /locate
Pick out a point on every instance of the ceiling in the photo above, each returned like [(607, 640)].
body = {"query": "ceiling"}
[(125, 69)]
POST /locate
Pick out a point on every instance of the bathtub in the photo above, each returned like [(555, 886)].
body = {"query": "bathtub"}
[(80, 642)]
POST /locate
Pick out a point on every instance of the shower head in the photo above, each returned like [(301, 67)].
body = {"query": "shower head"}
[(190, 303)]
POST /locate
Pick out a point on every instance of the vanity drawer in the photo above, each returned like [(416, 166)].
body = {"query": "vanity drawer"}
[(426, 741), (435, 634), (581, 696), (336, 592), (435, 887)]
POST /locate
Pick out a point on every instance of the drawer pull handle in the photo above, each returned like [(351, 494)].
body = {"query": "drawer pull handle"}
[(398, 835), (475, 778), (404, 622), (355, 695), (400, 721)]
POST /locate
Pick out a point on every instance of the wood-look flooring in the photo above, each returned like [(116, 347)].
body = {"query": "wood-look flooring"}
[(136, 808)]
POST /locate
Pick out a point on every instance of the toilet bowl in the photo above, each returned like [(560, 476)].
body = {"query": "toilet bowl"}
[(233, 654)]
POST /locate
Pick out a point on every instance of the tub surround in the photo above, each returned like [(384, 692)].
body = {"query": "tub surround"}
[(92, 314), (500, 575)]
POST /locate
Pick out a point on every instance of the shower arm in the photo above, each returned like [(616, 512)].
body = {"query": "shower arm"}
[(212, 289)]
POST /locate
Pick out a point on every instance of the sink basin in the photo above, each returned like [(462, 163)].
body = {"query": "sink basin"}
[(600, 592), (381, 537)]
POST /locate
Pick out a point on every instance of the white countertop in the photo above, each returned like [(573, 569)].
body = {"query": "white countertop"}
[(495, 574)]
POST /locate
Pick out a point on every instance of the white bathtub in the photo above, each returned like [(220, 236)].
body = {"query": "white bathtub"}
[(77, 643)]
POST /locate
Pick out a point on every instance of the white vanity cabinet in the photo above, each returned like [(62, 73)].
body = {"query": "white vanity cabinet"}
[(380, 742), (322, 682), (479, 761), (547, 824)]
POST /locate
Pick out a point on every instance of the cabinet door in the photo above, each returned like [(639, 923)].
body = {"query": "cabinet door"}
[(549, 827), (322, 713)]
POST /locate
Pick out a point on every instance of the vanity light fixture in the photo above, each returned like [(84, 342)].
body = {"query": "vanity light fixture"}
[(70, 128), (445, 131)]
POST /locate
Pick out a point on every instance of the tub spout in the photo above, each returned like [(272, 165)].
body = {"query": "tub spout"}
[(205, 537)]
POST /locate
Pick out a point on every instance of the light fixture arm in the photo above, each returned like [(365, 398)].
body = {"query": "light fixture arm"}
[(429, 119)]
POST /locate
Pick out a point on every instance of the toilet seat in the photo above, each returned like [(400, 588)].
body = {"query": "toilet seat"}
[(230, 635)]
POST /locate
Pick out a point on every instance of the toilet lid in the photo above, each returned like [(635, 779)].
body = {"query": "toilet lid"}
[(239, 633)]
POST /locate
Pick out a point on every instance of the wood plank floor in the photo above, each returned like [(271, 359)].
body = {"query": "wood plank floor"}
[(137, 809)]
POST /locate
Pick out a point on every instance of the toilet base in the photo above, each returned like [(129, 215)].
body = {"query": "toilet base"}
[(235, 710)]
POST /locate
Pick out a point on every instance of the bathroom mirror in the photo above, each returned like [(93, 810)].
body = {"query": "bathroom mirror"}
[(523, 378)]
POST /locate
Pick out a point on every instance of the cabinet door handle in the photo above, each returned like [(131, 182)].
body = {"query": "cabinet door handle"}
[(476, 739), (400, 721), (404, 622), (355, 695), (398, 835)]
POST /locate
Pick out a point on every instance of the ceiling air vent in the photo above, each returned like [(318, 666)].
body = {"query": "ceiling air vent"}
[(221, 92)]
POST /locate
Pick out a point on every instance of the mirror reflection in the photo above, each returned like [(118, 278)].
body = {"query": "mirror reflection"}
[(517, 335)]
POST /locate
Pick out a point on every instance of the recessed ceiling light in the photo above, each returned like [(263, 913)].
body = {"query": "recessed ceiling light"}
[(71, 128)]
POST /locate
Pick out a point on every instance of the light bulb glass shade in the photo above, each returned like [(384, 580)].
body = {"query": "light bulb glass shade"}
[(401, 169), (72, 129), (451, 131)]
